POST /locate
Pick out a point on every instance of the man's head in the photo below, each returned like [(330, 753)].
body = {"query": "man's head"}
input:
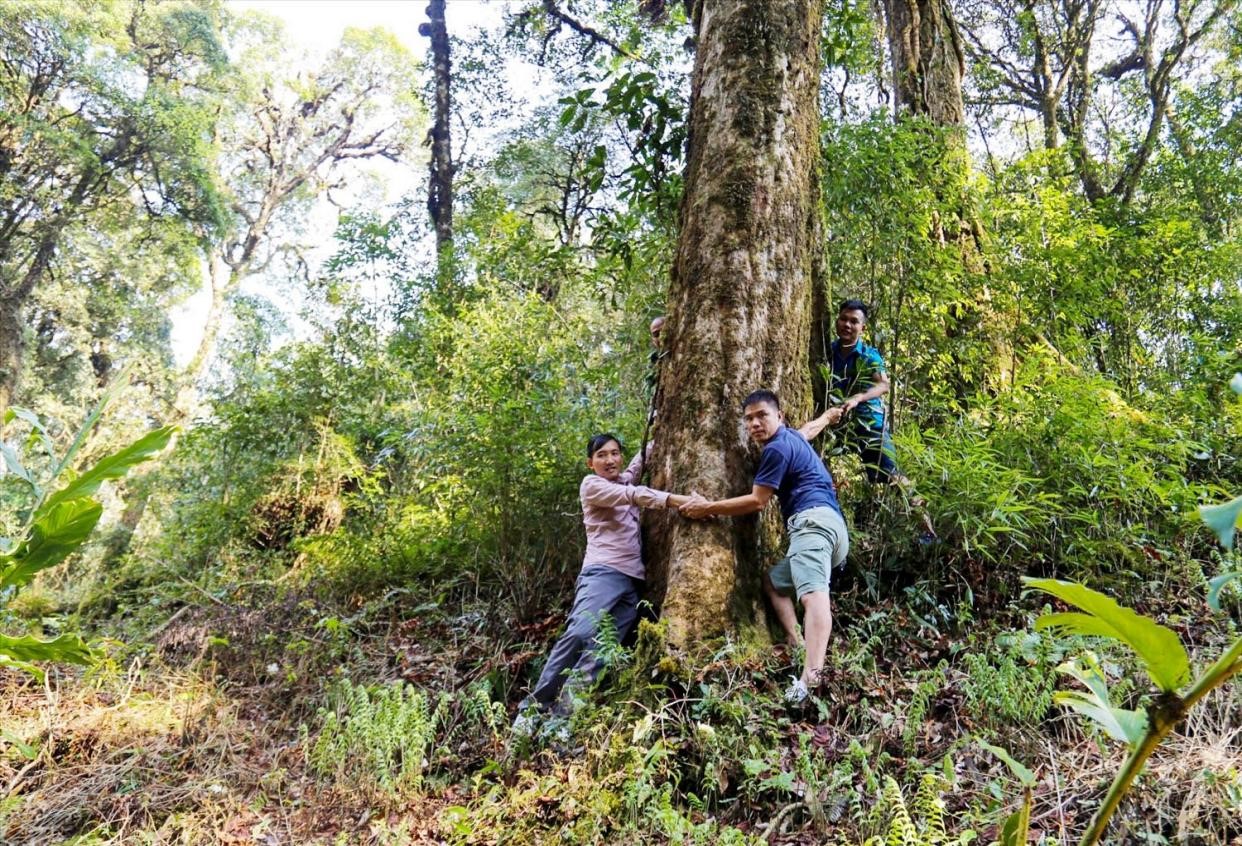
[(851, 318), (761, 411), (657, 326)]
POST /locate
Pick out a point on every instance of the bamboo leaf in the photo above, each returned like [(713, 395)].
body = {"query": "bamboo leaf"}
[(1223, 519), (56, 533), (1158, 646), (113, 466)]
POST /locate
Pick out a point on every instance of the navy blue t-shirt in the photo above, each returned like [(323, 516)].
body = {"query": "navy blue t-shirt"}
[(789, 466)]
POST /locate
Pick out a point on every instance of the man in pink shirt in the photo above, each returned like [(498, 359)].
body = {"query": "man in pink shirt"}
[(612, 574)]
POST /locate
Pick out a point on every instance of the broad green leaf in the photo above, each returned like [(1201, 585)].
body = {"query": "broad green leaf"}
[(1020, 772), (67, 647), (22, 666), (1017, 826), (113, 466), (1119, 723), (1223, 519), (1216, 585), (1158, 646), (54, 535)]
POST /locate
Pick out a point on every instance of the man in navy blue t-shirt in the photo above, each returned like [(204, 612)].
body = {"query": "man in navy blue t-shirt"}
[(818, 539)]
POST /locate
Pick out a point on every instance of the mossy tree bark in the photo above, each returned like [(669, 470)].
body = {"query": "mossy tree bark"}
[(739, 304)]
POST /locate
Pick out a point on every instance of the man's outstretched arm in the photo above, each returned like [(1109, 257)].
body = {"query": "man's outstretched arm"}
[(699, 506), (811, 428)]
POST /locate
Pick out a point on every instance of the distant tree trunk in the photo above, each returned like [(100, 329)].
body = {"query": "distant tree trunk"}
[(10, 351), (929, 63), (739, 304), (440, 189)]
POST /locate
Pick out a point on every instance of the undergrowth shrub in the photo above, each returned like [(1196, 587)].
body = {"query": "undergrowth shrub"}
[(377, 740), (385, 740), (1061, 471), (1013, 682)]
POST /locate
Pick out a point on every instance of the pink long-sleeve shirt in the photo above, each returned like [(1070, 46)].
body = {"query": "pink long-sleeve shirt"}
[(610, 515)]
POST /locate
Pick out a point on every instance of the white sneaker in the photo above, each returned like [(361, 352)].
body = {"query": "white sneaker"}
[(525, 723), (797, 693)]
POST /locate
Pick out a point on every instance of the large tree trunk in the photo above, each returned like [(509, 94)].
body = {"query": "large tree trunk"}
[(440, 188), (739, 305)]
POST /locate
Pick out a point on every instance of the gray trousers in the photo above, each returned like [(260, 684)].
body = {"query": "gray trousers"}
[(574, 658)]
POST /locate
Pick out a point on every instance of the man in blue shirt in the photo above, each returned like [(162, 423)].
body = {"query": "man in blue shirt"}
[(858, 382), (818, 539)]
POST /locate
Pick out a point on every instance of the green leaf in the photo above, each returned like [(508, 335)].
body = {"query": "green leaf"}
[(35, 423), (22, 667), (1020, 772), (14, 464), (116, 386), (28, 751), (113, 466), (1216, 585), (1158, 646), (1017, 825), (56, 533), (1119, 723), (1223, 519), (67, 647)]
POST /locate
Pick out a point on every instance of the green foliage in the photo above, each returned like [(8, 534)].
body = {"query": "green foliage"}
[(933, 682), (1157, 646), (1119, 723), (57, 525), (376, 740), (919, 822), (1010, 685), (1062, 469)]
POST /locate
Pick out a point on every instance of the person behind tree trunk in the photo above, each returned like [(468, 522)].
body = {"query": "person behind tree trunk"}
[(818, 539), (612, 574), (858, 384)]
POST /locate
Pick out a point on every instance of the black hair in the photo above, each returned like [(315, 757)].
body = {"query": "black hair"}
[(856, 305), (761, 395), (598, 441)]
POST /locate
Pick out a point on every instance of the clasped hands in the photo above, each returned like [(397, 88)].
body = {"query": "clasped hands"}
[(695, 507)]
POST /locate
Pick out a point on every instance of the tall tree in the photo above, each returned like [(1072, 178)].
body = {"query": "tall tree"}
[(739, 303), (440, 187), (284, 142), (1108, 106), (103, 105)]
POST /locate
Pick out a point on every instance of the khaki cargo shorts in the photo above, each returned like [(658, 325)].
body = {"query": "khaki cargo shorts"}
[(818, 542)]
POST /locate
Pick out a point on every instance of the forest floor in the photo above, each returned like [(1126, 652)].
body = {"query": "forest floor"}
[(204, 731)]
